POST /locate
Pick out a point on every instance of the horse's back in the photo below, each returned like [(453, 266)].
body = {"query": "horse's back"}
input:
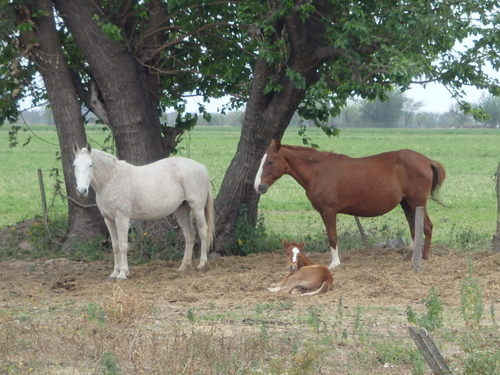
[(372, 185)]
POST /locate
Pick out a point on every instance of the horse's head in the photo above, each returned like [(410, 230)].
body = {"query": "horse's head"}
[(83, 169), (294, 256), (272, 167)]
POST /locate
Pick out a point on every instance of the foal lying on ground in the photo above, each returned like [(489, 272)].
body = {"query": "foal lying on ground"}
[(303, 273)]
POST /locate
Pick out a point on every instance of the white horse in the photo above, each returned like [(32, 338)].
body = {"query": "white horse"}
[(124, 192)]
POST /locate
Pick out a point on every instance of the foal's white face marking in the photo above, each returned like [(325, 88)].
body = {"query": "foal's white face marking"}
[(259, 173), (295, 252), (83, 171)]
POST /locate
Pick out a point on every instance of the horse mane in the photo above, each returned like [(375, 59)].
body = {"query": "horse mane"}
[(309, 153), (104, 153)]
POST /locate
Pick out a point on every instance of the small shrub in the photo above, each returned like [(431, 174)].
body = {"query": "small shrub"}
[(108, 361), (250, 239), (482, 363), (471, 298), (433, 318), (95, 314)]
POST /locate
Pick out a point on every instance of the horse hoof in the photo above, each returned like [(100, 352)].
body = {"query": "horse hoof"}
[(274, 289), (201, 266)]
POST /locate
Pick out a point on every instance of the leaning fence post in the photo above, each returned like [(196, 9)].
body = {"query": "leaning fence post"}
[(361, 231), (496, 237), (419, 239), (42, 195), (429, 351)]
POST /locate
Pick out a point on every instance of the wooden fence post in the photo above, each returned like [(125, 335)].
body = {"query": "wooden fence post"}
[(361, 231), (419, 239), (496, 237), (429, 351), (42, 195)]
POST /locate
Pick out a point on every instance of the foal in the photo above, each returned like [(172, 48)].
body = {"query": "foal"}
[(303, 273)]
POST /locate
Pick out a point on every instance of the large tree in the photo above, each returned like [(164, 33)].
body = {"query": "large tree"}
[(126, 61), (131, 59), (313, 55)]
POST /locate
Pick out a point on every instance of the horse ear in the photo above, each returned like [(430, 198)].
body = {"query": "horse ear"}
[(89, 147), (276, 143), (301, 245), (76, 148), (285, 244)]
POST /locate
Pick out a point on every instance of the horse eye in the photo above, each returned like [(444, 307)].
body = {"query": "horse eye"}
[(270, 162)]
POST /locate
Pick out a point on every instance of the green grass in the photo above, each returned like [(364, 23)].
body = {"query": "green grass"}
[(469, 156)]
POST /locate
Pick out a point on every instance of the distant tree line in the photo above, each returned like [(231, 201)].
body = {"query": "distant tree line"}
[(398, 111)]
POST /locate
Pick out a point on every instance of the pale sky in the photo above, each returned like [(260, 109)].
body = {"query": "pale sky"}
[(435, 98)]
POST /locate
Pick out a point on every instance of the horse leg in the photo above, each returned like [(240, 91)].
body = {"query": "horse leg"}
[(202, 226), (184, 221), (122, 226), (280, 285), (330, 220), (410, 218), (110, 224), (426, 253)]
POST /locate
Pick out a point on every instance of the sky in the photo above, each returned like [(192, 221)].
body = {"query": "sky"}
[(434, 98)]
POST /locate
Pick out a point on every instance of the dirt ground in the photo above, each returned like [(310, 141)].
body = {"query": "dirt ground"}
[(374, 277), (50, 313)]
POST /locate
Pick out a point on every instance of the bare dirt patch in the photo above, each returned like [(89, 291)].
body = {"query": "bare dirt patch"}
[(59, 316), (366, 277)]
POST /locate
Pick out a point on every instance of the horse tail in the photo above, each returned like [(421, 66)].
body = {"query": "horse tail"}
[(210, 217), (325, 287), (438, 176)]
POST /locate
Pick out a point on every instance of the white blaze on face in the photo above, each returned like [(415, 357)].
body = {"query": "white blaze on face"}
[(83, 171), (259, 173), (295, 252)]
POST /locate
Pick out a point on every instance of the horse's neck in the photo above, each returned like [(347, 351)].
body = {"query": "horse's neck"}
[(103, 165), (303, 261), (300, 162)]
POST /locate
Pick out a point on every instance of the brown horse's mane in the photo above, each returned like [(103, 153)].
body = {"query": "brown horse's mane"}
[(311, 154)]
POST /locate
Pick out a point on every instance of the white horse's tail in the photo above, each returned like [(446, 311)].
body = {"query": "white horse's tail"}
[(325, 287), (210, 217)]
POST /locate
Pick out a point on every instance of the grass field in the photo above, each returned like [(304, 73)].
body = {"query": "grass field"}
[(469, 156)]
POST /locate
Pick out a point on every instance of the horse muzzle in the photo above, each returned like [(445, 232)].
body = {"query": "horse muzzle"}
[(293, 267), (262, 189), (82, 192)]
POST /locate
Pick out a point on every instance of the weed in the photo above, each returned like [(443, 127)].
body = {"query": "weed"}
[(471, 298), (482, 363), (264, 334), (313, 318), (95, 314), (190, 315), (433, 319), (250, 239), (125, 306), (108, 361), (493, 315)]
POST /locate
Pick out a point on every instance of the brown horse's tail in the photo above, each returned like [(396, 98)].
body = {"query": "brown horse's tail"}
[(438, 176)]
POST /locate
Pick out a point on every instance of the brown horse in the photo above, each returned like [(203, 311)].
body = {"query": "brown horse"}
[(304, 274), (366, 187)]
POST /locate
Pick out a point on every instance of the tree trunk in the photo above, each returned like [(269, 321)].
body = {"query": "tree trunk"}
[(267, 116), (130, 103), (83, 223)]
